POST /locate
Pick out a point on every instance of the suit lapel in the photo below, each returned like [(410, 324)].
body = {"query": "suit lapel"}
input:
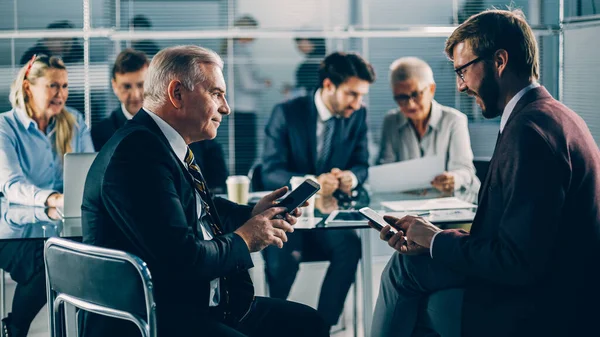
[(311, 132), (144, 119), (118, 118), (486, 183), (530, 97)]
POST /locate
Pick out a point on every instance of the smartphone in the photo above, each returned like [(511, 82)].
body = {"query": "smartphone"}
[(376, 219), (298, 196)]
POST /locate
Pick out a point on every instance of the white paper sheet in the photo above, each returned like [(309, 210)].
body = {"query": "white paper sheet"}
[(405, 175), (427, 204)]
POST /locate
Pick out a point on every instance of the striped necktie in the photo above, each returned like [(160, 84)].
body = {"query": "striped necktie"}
[(330, 126), (200, 185)]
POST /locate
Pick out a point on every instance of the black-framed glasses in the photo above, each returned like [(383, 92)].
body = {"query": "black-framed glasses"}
[(459, 71), (415, 96)]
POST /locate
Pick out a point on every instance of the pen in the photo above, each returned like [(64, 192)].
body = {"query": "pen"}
[(423, 214)]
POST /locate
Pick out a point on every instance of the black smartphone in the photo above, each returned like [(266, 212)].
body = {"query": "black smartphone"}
[(377, 220), (298, 196)]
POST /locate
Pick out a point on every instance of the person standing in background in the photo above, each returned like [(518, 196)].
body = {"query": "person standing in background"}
[(68, 49), (248, 86)]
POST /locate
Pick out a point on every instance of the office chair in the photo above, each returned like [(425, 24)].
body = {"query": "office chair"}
[(255, 175), (102, 281), (482, 165)]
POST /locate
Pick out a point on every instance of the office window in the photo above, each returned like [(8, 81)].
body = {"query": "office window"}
[(380, 30)]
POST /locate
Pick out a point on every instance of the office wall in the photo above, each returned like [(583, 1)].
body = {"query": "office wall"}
[(276, 56), (582, 73)]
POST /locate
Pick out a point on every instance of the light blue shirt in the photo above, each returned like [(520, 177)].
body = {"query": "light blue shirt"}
[(30, 167)]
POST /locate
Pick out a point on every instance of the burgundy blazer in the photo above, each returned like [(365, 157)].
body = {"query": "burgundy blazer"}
[(532, 259)]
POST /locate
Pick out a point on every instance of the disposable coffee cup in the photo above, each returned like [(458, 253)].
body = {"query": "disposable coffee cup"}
[(237, 189)]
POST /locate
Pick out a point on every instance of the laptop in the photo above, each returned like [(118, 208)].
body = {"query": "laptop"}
[(76, 167)]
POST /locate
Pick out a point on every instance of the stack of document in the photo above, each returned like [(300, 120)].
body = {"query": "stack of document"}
[(443, 215), (440, 209), (428, 204)]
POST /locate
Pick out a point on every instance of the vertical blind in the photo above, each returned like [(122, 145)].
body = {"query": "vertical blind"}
[(380, 30)]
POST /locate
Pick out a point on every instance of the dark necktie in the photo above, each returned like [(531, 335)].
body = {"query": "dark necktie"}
[(200, 186), (328, 139)]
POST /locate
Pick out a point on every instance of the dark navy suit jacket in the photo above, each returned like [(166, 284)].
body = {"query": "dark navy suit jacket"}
[(291, 143)]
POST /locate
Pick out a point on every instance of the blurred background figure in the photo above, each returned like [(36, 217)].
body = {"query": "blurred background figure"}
[(141, 22), (248, 86), (69, 49), (37, 132), (307, 73)]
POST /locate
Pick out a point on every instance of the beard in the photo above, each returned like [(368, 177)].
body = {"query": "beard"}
[(489, 95), (339, 109)]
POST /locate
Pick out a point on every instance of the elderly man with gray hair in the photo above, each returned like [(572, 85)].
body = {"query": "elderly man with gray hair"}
[(146, 195), (422, 127)]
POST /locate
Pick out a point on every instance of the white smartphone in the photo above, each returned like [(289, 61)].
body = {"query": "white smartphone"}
[(377, 219)]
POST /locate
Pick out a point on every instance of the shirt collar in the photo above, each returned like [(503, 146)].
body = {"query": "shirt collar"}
[(434, 119), (175, 140), (24, 119), (436, 115), (126, 113), (508, 109), (324, 113)]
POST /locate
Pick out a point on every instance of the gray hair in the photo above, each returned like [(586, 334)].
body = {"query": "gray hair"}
[(407, 68), (176, 63)]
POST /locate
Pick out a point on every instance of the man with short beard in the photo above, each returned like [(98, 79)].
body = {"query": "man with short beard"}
[(324, 134), (529, 265)]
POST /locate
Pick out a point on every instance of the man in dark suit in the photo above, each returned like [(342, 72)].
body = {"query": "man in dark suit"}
[(127, 80), (322, 134), (128, 74), (146, 195), (529, 265)]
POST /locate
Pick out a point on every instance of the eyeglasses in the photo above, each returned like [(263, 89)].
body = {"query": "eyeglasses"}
[(459, 71), (415, 96)]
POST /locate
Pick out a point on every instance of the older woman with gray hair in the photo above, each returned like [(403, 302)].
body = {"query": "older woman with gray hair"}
[(422, 127)]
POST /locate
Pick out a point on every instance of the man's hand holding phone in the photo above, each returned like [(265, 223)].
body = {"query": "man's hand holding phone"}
[(265, 229), (399, 241), (393, 231)]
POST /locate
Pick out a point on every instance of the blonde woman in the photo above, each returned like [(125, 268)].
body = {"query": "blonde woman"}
[(37, 132)]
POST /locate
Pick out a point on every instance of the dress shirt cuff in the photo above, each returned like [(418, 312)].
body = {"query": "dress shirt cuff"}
[(242, 253), (431, 244), (40, 214), (41, 196), (354, 180)]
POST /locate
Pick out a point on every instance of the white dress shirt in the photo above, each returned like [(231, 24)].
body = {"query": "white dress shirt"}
[(126, 113), (508, 109), (180, 148), (324, 116)]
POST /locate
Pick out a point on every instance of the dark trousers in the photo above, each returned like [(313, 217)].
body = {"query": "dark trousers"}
[(267, 317), (271, 317), (406, 285), (25, 263), (341, 247)]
